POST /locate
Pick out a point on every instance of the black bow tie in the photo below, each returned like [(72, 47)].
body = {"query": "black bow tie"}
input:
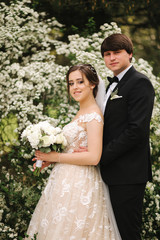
[(114, 79)]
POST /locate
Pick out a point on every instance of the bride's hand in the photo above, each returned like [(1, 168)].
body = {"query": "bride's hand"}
[(44, 164), (81, 149), (47, 157)]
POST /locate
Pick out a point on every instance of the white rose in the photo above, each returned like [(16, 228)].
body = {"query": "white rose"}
[(34, 138), (64, 142), (55, 131), (58, 130), (60, 139), (27, 131), (47, 128), (47, 140)]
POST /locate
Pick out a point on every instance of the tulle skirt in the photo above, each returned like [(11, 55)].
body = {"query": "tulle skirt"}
[(75, 205)]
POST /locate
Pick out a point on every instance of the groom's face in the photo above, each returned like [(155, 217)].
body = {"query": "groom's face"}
[(117, 61)]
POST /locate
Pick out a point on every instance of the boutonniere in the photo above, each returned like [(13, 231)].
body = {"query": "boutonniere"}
[(114, 95)]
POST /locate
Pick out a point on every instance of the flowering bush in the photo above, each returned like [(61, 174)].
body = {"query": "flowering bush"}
[(33, 89)]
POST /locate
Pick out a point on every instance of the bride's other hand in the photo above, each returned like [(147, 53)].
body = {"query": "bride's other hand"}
[(34, 165), (81, 149), (44, 164)]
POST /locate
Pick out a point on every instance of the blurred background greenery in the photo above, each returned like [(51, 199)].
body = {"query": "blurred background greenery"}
[(138, 19)]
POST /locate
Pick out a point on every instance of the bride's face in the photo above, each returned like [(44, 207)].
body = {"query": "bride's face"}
[(79, 86)]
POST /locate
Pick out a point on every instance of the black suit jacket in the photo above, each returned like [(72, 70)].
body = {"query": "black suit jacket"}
[(126, 152)]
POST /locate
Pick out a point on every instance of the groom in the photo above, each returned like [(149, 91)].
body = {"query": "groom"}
[(125, 162)]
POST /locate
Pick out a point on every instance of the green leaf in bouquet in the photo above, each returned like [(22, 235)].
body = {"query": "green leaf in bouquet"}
[(40, 144), (54, 147), (43, 133), (37, 171), (45, 149), (59, 148)]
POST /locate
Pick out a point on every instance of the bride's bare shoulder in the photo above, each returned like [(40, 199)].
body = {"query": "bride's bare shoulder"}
[(96, 109)]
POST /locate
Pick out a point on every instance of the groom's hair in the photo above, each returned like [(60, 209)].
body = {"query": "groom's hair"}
[(117, 41)]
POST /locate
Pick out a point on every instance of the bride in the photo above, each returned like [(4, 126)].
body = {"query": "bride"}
[(75, 203)]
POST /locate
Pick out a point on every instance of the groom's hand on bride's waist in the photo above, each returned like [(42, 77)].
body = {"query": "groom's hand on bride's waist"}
[(81, 149)]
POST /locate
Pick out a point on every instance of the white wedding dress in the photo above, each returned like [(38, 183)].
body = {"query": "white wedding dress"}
[(75, 203)]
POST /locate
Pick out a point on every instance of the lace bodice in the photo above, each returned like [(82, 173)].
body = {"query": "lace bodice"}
[(75, 132)]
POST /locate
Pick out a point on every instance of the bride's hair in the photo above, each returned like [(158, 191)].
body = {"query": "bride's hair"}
[(90, 73)]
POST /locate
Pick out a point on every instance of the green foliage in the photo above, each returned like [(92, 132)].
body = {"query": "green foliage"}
[(151, 229), (139, 19), (20, 190), (8, 133), (90, 28)]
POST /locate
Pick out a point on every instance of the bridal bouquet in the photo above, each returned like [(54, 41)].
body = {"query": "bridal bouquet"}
[(44, 137)]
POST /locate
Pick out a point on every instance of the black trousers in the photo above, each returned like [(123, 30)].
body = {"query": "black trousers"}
[(127, 203)]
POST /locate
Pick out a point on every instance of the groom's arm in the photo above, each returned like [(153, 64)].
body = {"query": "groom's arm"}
[(140, 104)]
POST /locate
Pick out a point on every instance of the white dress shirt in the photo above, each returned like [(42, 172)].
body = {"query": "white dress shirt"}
[(112, 87)]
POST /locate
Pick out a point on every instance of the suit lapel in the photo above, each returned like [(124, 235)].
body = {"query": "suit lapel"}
[(121, 83), (126, 77)]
